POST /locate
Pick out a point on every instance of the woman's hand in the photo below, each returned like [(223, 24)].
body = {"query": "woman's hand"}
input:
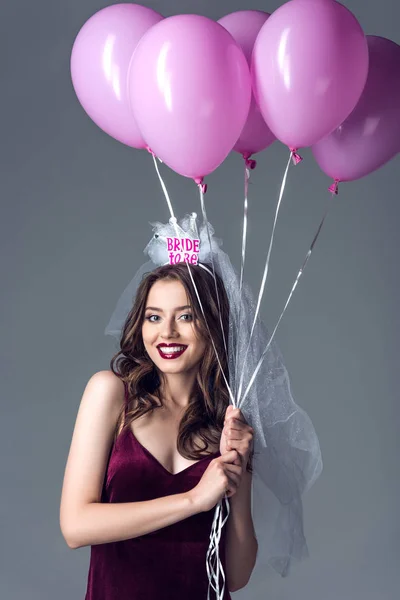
[(237, 435)]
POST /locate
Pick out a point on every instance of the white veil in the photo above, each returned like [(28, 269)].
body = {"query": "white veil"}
[(287, 459)]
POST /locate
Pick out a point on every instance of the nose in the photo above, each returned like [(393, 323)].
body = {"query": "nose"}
[(168, 329)]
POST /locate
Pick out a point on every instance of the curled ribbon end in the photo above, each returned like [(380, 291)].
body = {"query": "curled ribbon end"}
[(334, 188), (295, 156)]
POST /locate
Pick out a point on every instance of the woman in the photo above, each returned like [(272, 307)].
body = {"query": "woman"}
[(154, 449)]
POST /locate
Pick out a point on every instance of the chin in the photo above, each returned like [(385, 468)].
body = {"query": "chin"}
[(174, 370), (169, 368)]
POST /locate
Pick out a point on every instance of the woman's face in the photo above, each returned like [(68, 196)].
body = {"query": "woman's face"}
[(168, 330)]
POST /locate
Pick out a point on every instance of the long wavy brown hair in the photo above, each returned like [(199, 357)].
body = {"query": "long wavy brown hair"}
[(205, 413)]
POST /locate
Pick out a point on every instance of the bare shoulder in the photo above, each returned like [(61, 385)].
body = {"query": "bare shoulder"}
[(93, 434), (104, 391), (107, 379)]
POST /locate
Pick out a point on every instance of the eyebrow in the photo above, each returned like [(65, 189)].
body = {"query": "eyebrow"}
[(160, 309)]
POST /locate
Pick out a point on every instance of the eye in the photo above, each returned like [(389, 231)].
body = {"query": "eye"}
[(186, 317), (151, 318)]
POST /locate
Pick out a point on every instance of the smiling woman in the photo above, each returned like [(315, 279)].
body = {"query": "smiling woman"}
[(162, 448), (167, 314), (159, 453)]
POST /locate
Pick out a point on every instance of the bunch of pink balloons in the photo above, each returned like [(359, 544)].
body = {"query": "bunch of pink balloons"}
[(180, 86), (191, 90)]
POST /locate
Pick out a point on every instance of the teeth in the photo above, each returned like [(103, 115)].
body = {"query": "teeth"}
[(172, 349)]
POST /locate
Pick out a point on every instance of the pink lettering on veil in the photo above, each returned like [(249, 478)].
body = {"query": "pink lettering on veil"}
[(183, 250)]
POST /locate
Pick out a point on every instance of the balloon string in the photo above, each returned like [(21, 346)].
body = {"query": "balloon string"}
[(244, 235), (174, 221), (217, 522), (289, 298), (247, 168), (264, 278), (203, 210), (211, 338), (215, 537), (164, 187)]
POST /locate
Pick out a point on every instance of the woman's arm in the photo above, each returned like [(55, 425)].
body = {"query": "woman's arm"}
[(84, 519), (241, 541), (101, 523)]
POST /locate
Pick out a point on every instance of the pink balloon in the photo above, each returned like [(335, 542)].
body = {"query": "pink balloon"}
[(194, 93), (244, 26), (309, 67), (370, 136), (99, 65)]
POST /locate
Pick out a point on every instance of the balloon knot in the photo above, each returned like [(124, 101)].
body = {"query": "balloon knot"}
[(250, 163), (295, 157), (150, 151), (334, 188), (202, 186)]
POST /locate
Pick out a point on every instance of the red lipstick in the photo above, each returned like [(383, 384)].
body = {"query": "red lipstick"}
[(175, 351)]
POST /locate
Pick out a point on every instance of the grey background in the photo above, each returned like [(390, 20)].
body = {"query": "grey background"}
[(75, 208)]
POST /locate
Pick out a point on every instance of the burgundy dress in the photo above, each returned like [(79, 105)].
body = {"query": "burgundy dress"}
[(167, 564)]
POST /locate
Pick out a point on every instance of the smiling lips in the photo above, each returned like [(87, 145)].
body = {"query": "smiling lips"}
[(170, 351)]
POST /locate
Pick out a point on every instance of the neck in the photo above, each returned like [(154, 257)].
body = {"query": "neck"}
[(177, 389)]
